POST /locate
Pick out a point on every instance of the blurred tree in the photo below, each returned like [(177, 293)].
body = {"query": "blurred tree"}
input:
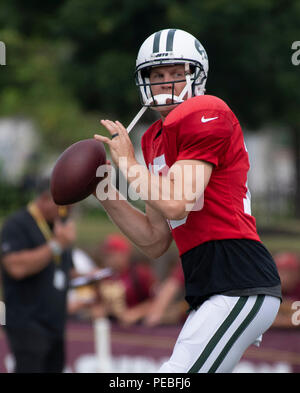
[(31, 87), (106, 36), (71, 60), (249, 47)]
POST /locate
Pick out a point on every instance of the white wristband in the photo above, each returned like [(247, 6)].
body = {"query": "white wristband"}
[(55, 247)]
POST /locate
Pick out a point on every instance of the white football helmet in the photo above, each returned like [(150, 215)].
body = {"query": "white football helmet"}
[(168, 47)]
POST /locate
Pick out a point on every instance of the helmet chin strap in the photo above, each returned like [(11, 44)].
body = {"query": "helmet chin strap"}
[(188, 85), (161, 99), (136, 118)]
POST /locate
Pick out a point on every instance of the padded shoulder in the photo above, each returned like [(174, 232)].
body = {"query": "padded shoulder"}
[(205, 103)]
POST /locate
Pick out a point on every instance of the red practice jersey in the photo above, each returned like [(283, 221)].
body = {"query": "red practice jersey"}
[(204, 128)]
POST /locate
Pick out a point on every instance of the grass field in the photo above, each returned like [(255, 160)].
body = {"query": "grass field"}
[(281, 243), (92, 230), (283, 234), (280, 235)]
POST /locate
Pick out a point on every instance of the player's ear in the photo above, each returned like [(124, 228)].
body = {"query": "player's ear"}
[(146, 72)]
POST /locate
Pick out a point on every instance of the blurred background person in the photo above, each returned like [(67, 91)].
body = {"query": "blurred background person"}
[(168, 305), (36, 263), (126, 295), (288, 265), (81, 298), (82, 294)]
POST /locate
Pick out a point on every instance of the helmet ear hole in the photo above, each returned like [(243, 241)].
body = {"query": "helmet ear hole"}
[(192, 68), (145, 72)]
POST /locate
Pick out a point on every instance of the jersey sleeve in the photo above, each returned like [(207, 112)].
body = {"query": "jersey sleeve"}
[(13, 238), (203, 136)]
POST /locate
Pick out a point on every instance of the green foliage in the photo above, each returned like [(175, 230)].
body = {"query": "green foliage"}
[(249, 47), (12, 198), (71, 62), (31, 87)]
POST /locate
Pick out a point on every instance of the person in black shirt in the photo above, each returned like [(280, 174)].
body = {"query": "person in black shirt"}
[(36, 263)]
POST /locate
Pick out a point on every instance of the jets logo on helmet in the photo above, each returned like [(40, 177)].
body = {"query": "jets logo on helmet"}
[(169, 47)]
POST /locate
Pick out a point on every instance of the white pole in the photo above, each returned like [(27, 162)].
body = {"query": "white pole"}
[(103, 345)]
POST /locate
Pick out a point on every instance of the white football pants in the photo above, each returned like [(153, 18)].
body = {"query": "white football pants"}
[(215, 336)]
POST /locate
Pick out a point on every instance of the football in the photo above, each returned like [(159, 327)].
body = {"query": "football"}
[(74, 174)]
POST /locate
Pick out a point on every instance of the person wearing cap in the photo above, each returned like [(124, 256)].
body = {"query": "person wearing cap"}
[(36, 262), (288, 265), (126, 295)]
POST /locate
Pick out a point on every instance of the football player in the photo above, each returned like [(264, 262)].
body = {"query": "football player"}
[(231, 281)]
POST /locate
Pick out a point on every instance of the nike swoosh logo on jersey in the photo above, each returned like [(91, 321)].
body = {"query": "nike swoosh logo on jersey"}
[(208, 119)]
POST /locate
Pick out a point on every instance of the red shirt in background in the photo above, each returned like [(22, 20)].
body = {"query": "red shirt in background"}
[(129, 288)]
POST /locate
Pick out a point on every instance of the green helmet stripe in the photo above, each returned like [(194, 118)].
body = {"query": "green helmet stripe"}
[(170, 40), (156, 42)]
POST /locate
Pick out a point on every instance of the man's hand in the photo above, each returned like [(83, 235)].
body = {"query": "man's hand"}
[(65, 233), (174, 197), (120, 145)]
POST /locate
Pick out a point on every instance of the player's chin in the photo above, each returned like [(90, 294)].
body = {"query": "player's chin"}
[(165, 109)]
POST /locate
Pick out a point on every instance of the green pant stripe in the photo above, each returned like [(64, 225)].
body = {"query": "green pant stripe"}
[(218, 335), (237, 333)]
